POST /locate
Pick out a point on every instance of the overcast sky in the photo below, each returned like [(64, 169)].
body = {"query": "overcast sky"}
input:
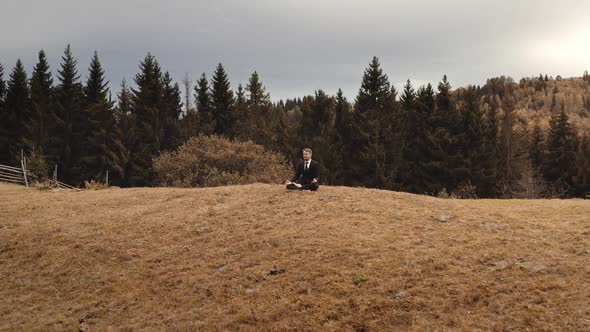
[(298, 46)]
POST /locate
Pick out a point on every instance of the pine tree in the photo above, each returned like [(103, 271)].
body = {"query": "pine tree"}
[(536, 149), (243, 131), (447, 130), (317, 124), (126, 137), (282, 140), (582, 179), (417, 174), (473, 141), (342, 141), (223, 99), (172, 109), (512, 146), (3, 120), (240, 96), (373, 129), (559, 167), (189, 124), (256, 125), (149, 121), (101, 143), (490, 157), (66, 134), (41, 89), (2, 89), (17, 114), (204, 106)]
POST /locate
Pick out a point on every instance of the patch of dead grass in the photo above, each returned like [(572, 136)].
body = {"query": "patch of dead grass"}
[(257, 257)]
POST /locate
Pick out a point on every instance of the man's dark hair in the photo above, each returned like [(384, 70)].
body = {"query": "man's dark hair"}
[(308, 150)]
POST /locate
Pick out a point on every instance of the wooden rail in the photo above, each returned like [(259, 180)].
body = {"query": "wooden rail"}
[(22, 176)]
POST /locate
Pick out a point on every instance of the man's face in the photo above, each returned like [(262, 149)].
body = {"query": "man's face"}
[(306, 155)]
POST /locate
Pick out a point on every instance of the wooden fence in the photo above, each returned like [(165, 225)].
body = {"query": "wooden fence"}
[(23, 176)]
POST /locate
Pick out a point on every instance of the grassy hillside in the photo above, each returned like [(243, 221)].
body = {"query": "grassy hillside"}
[(256, 257)]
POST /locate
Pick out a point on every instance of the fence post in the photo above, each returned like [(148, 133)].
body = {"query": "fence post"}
[(23, 164), (107, 180)]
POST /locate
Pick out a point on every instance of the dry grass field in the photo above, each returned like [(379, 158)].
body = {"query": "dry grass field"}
[(259, 258)]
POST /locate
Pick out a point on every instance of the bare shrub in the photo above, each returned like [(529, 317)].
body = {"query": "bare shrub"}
[(37, 165), (209, 161), (94, 185), (530, 185), (443, 194), (465, 190), (42, 184)]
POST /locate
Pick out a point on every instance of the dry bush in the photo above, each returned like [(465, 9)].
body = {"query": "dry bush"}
[(443, 194), (37, 165), (209, 161), (530, 185), (94, 185), (42, 184), (465, 190)]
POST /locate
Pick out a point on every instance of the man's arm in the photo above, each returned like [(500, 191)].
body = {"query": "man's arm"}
[(316, 171), (297, 173)]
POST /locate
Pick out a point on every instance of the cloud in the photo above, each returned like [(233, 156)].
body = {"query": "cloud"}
[(299, 46)]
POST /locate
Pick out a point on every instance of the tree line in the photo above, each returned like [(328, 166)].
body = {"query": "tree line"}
[(465, 142)]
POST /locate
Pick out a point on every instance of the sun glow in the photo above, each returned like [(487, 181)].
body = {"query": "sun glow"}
[(569, 51)]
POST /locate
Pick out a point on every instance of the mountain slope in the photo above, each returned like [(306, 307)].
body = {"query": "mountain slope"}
[(257, 257)]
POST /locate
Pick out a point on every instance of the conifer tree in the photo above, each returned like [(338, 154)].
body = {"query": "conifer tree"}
[(241, 111), (537, 148), (240, 96), (559, 167), (582, 179), (41, 89), (257, 124), (317, 129), (373, 127), (3, 121), (2, 89), (222, 101), (490, 157), (342, 144), (473, 141), (16, 115), (512, 146), (172, 110), (419, 167), (101, 143), (189, 124), (447, 130), (149, 121), (68, 124), (126, 137), (204, 106)]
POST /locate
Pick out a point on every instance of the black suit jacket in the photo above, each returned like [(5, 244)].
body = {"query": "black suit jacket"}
[(305, 177)]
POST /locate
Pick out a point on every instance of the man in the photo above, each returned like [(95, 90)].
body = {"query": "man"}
[(307, 175)]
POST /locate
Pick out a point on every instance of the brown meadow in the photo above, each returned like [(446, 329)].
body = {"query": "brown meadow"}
[(256, 257)]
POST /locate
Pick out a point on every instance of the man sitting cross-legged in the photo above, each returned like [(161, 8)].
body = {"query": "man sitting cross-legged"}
[(308, 174)]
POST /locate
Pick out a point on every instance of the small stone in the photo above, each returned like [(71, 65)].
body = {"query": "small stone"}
[(532, 266), (401, 294), (501, 265), (201, 229), (443, 217)]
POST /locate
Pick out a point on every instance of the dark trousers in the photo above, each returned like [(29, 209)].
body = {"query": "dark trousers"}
[(307, 186)]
